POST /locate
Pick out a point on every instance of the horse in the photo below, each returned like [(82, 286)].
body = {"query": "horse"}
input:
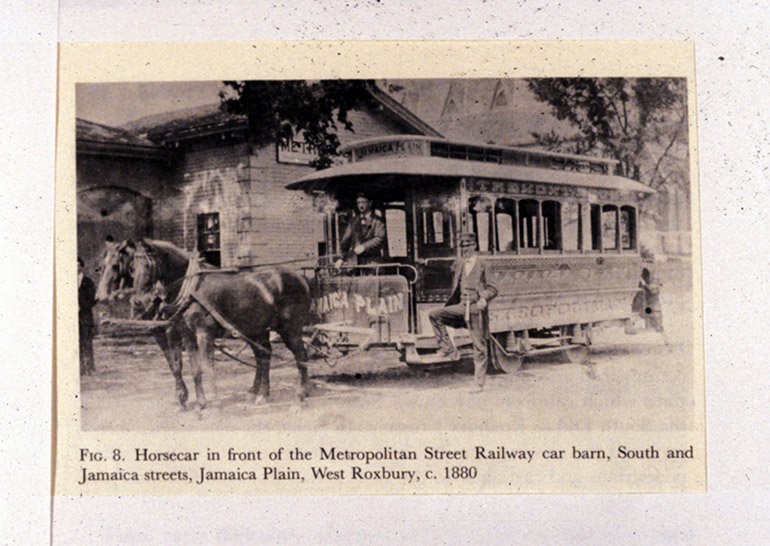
[(115, 275), (166, 263), (153, 267), (251, 303)]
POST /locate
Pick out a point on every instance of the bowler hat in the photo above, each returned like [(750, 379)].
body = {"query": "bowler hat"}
[(467, 238)]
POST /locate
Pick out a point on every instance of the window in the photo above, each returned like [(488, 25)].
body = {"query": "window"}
[(505, 221), (481, 215), (529, 237), (572, 227), (551, 219), (209, 244), (395, 224), (596, 227), (628, 228), (435, 227), (609, 227), (435, 232)]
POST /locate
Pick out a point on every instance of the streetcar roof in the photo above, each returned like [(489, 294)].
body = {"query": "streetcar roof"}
[(443, 167), (346, 148)]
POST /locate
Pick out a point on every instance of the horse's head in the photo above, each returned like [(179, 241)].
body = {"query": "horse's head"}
[(144, 268), (115, 269)]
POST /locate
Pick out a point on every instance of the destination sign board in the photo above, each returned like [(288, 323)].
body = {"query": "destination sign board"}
[(389, 148)]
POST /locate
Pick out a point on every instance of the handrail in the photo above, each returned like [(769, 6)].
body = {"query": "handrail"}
[(376, 268)]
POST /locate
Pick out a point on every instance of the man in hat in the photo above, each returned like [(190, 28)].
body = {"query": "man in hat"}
[(467, 308), (86, 325), (364, 239)]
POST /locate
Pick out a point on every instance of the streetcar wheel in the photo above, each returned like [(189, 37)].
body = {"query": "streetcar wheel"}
[(510, 363), (575, 353)]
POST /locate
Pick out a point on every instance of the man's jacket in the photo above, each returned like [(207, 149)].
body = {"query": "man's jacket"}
[(86, 301), (371, 237), (477, 286)]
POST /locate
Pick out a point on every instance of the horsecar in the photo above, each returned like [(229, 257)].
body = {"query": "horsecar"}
[(560, 234)]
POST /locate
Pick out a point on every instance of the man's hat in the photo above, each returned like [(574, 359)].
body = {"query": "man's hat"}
[(467, 238)]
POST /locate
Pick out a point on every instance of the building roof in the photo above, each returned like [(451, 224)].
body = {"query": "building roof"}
[(402, 113), (96, 132), (210, 119), (102, 139), (487, 110), (181, 124), (514, 127)]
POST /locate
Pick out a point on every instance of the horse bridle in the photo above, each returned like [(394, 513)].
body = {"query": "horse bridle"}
[(151, 263)]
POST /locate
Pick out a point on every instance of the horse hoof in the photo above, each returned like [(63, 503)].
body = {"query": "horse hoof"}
[(252, 390), (261, 400)]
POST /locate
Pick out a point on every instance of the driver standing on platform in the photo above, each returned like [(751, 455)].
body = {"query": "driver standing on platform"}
[(364, 239), (467, 308)]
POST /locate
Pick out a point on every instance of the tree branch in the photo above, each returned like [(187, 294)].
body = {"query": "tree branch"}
[(663, 155)]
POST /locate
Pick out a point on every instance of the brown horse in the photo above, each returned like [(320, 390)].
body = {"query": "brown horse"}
[(251, 303)]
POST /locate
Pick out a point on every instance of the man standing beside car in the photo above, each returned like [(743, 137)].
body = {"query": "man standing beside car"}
[(467, 308)]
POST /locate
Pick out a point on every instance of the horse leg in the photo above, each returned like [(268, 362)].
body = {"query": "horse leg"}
[(191, 346), (293, 340), (261, 387), (170, 343), (205, 340)]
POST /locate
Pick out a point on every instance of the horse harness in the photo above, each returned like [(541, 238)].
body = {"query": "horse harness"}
[(188, 294)]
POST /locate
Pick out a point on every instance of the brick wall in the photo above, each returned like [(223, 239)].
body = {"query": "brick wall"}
[(260, 220), (118, 196), (208, 179)]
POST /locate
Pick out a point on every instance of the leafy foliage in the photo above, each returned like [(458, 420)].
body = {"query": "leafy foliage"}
[(641, 122), (278, 110)]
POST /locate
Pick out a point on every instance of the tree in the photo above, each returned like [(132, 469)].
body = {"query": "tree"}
[(641, 122), (278, 110)]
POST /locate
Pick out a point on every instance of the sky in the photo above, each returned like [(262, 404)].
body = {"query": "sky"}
[(114, 104)]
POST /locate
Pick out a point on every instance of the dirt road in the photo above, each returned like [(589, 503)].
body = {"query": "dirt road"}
[(631, 383)]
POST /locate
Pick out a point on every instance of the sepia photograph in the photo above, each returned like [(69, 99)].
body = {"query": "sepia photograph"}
[(459, 254), (349, 273)]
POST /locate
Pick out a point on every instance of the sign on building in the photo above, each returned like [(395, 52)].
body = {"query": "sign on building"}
[(296, 151)]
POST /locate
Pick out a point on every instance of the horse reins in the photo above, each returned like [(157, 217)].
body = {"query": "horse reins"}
[(187, 295)]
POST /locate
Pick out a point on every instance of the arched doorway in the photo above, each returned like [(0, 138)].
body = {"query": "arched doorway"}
[(110, 210)]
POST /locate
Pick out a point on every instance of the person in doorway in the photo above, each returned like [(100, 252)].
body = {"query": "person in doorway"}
[(86, 324), (364, 239), (467, 308)]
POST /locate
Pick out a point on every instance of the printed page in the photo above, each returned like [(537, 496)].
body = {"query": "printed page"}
[(378, 268)]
